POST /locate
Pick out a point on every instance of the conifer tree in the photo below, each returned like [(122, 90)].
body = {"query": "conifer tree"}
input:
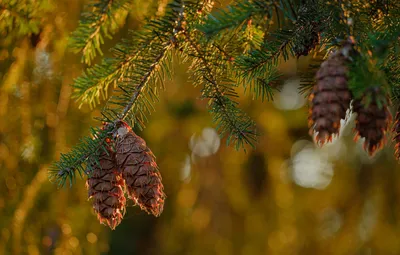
[(238, 45)]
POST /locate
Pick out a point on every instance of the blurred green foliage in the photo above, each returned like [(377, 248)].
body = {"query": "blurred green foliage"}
[(272, 200)]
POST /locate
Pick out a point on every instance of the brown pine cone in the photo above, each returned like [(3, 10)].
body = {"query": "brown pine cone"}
[(105, 187), (373, 119), (306, 31), (137, 164), (308, 39), (330, 98), (396, 132)]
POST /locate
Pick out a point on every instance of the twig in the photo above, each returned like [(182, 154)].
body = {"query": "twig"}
[(214, 83), (112, 126)]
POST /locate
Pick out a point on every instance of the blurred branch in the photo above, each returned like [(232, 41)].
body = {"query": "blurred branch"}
[(103, 19), (27, 203)]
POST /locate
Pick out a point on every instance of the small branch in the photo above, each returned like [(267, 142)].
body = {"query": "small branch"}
[(228, 57), (101, 20), (143, 82), (156, 62), (111, 126), (292, 10), (217, 92), (274, 55), (16, 14)]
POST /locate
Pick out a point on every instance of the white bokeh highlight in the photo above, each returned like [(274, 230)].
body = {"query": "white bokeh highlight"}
[(206, 144), (289, 97), (311, 168), (186, 170), (43, 66), (330, 222)]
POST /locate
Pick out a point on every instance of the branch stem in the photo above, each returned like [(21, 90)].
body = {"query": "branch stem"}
[(217, 92)]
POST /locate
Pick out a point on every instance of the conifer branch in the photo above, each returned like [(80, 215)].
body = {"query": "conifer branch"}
[(236, 15), (103, 19), (93, 85), (18, 17), (268, 54), (257, 70), (236, 45), (229, 118), (6, 10), (130, 96), (144, 81), (72, 162)]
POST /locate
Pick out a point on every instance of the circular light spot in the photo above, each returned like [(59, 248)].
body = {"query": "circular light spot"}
[(91, 237), (74, 242), (206, 144), (299, 145), (289, 97), (11, 183), (46, 241), (311, 169), (66, 229), (330, 223)]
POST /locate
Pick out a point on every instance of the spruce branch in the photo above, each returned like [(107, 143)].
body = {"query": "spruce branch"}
[(129, 100), (71, 164), (230, 120), (268, 54), (236, 49), (133, 95), (94, 84), (101, 21), (19, 17), (143, 82), (236, 15), (257, 70)]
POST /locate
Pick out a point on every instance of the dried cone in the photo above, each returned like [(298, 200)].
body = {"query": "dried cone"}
[(105, 186), (306, 33), (308, 39), (373, 120), (396, 132), (330, 98), (139, 169)]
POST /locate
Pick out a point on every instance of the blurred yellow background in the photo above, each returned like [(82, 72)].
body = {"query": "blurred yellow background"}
[(286, 197)]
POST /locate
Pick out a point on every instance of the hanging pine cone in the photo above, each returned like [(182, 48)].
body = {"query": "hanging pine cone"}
[(105, 187), (373, 119), (307, 39), (306, 32), (396, 132), (139, 169), (330, 98)]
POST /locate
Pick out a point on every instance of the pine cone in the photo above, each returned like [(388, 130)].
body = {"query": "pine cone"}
[(139, 169), (373, 119), (307, 39), (396, 132), (105, 186), (330, 98), (306, 31)]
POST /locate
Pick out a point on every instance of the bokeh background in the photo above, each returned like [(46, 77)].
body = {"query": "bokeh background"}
[(285, 197)]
